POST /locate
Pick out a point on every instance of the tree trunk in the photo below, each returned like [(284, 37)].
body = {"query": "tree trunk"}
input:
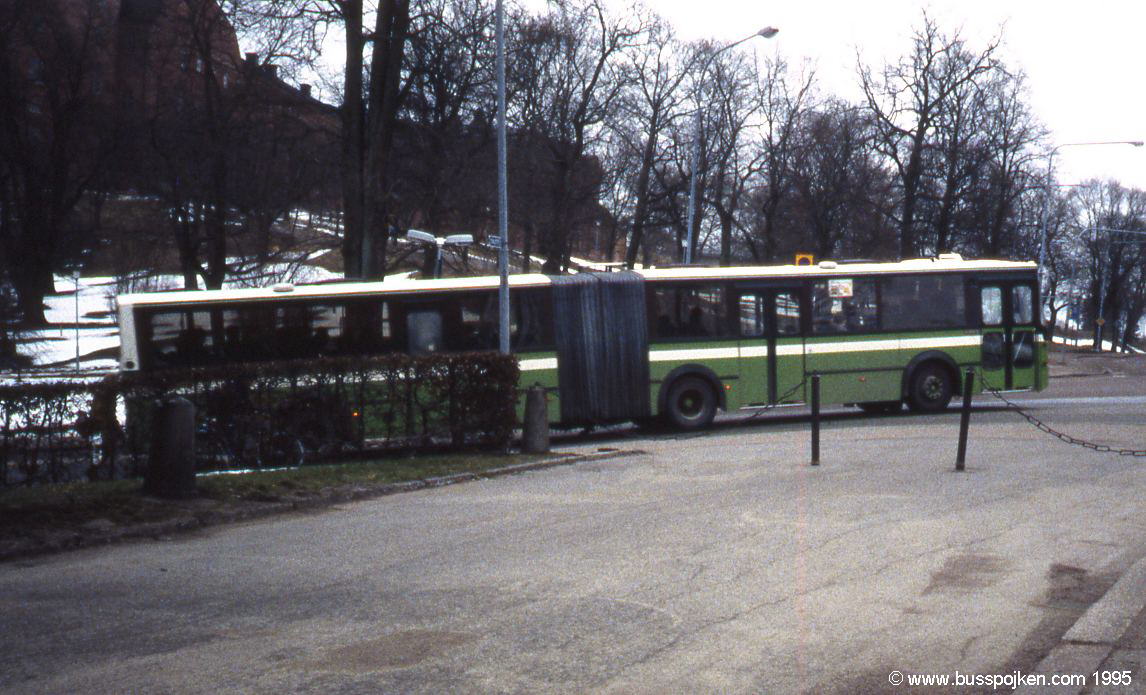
[(185, 244), (353, 143), (32, 280), (641, 210), (725, 238), (385, 76), (910, 193)]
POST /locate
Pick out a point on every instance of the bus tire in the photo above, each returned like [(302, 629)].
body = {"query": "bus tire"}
[(691, 403), (930, 388)]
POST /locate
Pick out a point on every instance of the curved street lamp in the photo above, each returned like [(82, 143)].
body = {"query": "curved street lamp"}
[(438, 243), (1048, 185), (766, 32), (1046, 200)]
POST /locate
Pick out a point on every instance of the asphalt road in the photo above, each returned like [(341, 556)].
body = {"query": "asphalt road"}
[(720, 562)]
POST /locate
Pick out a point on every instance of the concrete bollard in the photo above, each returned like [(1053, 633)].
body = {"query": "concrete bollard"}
[(171, 468), (535, 430)]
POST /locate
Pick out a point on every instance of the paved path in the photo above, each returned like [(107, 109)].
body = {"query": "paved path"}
[(718, 563)]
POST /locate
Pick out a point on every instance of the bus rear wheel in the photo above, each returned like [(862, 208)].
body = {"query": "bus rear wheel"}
[(930, 389), (691, 403)]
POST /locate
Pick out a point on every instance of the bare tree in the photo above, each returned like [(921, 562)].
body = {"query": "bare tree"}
[(657, 69), (371, 100), (56, 136), (1115, 267), (908, 100), (444, 137), (1011, 139), (781, 104), (842, 194), (567, 80)]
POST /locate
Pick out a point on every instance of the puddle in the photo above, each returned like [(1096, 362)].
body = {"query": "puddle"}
[(966, 572), (392, 651)]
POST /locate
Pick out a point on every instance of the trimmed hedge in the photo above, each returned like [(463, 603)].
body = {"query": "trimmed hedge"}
[(257, 414)]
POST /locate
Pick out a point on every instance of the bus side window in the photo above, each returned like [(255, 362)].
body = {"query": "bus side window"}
[(690, 311), (911, 302), (992, 303), (844, 305), (476, 326), (425, 331), (365, 328), (1022, 304), (181, 338), (751, 311), (531, 326), (787, 313)]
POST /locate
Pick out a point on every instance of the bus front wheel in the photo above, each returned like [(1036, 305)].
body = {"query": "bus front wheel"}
[(931, 388), (691, 403)]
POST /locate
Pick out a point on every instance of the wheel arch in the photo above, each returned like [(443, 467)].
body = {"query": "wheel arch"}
[(930, 356), (698, 370)]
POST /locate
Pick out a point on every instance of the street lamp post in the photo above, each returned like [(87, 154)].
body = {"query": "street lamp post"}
[(502, 193), (766, 32), (1047, 194), (1048, 186)]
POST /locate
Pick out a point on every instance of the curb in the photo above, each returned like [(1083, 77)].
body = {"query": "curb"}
[(160, 530), (1095, 635)]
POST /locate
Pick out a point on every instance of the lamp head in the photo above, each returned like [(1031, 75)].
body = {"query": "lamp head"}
[(768, 32), (459, 239), (419, 235)]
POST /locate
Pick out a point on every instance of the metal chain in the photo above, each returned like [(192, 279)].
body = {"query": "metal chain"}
[(1062, 436), (779, 400), (758, 413)]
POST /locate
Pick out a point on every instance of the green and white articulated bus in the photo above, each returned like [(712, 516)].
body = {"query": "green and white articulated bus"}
[(675, 343)]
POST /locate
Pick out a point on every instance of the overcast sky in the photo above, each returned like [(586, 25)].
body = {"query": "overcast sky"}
[(1084, 61)]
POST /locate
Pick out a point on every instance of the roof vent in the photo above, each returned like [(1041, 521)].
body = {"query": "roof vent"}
[(950, 257), (828, 265), (283, 287)]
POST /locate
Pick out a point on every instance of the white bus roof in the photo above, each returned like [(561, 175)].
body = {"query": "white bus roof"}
[(946, 263)]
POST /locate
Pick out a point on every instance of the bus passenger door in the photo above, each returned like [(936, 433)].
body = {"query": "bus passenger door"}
[(1009, 329), (771, 347)]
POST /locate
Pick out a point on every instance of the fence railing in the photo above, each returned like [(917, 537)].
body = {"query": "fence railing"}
[(258, 415)]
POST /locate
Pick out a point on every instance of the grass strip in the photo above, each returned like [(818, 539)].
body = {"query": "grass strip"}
[(34, 510)]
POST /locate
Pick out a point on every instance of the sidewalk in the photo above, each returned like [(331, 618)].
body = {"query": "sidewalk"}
[(1110, 637)]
